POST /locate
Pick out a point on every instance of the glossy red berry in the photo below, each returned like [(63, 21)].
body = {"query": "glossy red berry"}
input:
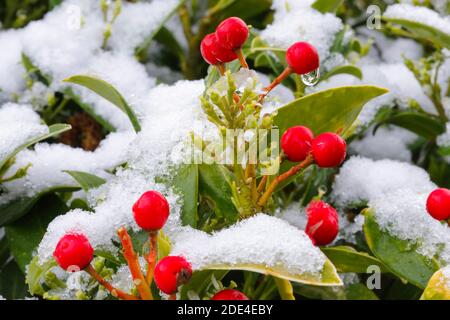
[(213, 53), (438, 204), (302, 58), (232, 33), (329, 150), (229, 294), (151, 211), (296, 143), (323, 223), (73, 252), (171, 272)]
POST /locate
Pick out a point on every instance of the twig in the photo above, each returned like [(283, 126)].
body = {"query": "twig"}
[(151, 258), (114, 292)]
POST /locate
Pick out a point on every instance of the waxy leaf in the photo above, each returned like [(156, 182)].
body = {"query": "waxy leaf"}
[(107, 91), (86, 180), (397, 254), (423, 31), (36, 273), (12, 282), (332, 110), (347, 259), (349, 69), (325, 6), (185, 182)]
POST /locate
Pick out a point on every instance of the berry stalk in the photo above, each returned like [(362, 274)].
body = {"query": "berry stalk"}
[(134, 265), (278, 80), (241, 58), (302, 165), (114, 292), (151, 258)]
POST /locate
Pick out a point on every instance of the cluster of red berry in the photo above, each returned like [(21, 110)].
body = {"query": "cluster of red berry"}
[(225, 45), (74, 253)]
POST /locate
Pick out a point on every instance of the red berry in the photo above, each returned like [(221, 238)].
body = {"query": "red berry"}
[(171, 272), (329, 150), (213, 53), (232, 33), (302, 57), (323, 223), (151, 211), (73, 252), (296, 143), (229, 294), (438, 204)]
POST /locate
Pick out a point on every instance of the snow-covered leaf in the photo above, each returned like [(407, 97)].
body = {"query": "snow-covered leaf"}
[(35, 274), (438, 288), (398, 255), (53, 131), (347, 259), (107, 91), (86, 180)]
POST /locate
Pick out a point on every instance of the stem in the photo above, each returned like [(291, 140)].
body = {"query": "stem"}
[(114, 292), (241, 58), (173, 296), (286, 73), (221, 68), (302, 165), (262, 184), (151, 259), (134, 265), (285, 289)]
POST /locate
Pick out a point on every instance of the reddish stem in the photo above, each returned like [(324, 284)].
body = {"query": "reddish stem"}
[(221, 68), (151, 258), (286, 73), (114, 292), (173, 296), (302, 165), (241, 58), (134, 265)]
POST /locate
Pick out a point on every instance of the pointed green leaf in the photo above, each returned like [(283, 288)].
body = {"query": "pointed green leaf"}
[(185, 182), (107, 91), (349, 69), (423, 31), (438, 288), (86, 180), (347, 259)]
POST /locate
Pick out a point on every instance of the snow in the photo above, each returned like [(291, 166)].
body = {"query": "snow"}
[(295, 215), (386, 143), (262, 240), (11, 69), (18, 124), (303, 24), (418, 14)]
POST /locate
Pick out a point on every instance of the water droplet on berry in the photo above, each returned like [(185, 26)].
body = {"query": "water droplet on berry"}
[(311, 78)]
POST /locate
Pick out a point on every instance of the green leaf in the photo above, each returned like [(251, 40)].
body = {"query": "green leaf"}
[(200, 282), (36, 273), (359, 291), (107, 91), (349, 69), (437, 288), (86, 180), (422, 124), (347, 259), (12, 282), (330, 110), (5, 254), (214, 184), (423, 31), (16, 209), (89, 110), (25, 234), (397, 254), (33, 72), (325, 6), (328, 277), (53, 130), (185, 182)]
